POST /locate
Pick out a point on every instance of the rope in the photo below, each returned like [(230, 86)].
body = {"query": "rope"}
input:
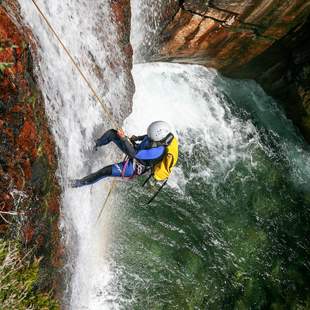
[(106, 199), (107, 112)]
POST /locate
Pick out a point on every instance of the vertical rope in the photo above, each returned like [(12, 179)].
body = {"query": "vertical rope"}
[(106, 111)]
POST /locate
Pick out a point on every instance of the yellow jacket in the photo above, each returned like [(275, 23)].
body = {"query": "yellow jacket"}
[(162, 170)]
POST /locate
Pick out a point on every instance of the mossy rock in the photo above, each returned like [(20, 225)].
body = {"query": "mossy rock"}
[(18, 275), (40, 176)]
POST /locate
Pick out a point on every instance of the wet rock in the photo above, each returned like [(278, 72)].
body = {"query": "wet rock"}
[(39, 175), (2, 107), (226, 34), (3, 164), (284, 72), (27, 154), (121, 15), (28, 232)]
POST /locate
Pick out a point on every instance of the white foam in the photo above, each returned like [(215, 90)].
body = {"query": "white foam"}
[(87, 30), (186, 97)]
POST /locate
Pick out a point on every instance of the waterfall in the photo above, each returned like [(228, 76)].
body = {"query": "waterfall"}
[(148, 18), (88, 31)]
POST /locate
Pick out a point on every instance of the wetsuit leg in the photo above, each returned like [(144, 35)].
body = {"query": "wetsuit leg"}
[(111, 135), (93, 177), (115, 170)]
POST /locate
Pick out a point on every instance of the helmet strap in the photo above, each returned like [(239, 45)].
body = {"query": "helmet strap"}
[(167, 140)]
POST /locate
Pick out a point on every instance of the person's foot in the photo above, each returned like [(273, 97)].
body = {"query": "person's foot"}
[(76, 183)]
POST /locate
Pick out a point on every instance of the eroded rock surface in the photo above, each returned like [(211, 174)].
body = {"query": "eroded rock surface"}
[(284, 72), (226, 34)]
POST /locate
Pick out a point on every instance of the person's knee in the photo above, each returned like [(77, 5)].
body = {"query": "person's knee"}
[(107, 137), (112, 134), (112, 131)]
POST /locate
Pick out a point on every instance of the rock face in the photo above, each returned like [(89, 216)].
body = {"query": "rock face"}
[(230, 35), (284, 72), (226, 34), (122, 15), (28, 187)]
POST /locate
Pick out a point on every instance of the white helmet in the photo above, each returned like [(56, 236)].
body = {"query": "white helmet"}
[(158, 130)]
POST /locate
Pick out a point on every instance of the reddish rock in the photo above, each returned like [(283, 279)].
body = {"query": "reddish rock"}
[(40, 239), (121, 10), (121, 15), (53, 206), (6, 197), (3, 228), (28, 138), (26, 166), (225, 35), (25, 141), (58, 250)]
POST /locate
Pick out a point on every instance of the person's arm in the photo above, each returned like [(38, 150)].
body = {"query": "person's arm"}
[(128, 148)]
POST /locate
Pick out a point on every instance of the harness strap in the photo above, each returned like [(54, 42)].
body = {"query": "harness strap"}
[(138, 168), (124, 168)]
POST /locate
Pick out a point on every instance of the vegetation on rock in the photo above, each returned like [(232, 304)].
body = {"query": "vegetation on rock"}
[(18, 278), (30, 248)]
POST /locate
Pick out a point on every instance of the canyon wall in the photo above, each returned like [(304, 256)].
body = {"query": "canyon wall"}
[(29, 192)]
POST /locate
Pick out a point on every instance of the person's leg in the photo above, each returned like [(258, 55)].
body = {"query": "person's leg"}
[(122, 169), (107, 137), (93, 177)]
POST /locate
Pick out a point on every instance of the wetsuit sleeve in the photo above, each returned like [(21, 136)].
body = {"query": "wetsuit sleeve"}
[(128, 148), (140, 138), (137, 138)]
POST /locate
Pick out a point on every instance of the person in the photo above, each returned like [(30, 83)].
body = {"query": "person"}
[(157, 152)]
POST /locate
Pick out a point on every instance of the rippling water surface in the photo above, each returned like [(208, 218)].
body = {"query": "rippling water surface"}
[(231, 229)]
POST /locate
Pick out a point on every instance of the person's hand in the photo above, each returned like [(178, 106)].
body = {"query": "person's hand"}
[(133, 138), (121, 133)]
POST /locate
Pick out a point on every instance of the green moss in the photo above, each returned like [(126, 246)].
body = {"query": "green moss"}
[(32, 100), (5, 65), (18, 275)]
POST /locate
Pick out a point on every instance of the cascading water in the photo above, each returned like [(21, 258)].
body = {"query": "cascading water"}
[(229, 230), (77, 119), (148, 17)]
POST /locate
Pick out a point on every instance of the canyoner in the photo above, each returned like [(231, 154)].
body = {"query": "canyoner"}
[(155, 153)]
